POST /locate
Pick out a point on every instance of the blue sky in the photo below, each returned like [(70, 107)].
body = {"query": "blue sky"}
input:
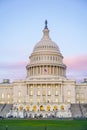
[(21, 25)]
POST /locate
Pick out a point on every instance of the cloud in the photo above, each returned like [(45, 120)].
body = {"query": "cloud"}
[(76, 66), (13, 71), (77, 63), (17, 65)]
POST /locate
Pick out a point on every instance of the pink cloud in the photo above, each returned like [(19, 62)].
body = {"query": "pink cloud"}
[(76, 67), (78, 63)]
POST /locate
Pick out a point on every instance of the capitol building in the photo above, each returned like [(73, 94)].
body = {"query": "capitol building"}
[(46, 89)]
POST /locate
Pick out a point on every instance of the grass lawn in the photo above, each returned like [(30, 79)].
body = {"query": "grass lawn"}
[(21, 124)]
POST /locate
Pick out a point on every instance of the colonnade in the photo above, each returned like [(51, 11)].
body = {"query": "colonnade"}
[(44, 93), (46, 70)]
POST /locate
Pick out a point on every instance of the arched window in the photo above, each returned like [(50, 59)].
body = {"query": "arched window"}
[(34, 108), (27, 108), (48, 108), (55, 108)]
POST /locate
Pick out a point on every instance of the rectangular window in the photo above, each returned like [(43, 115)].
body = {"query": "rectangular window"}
[(82, 96), (8, 96), (77, 95), (68, 100), (31, 93), (19, 100), (30, 100), (49, 93), (56, 100), (56, 87), (49, 100), (38, 93), (69, 93), (82, 101), (38, 100), (38, 86), (49, 86), (8, 102), (19, 93), (30, 87), (56, 93), (78, 101), (2, 95)]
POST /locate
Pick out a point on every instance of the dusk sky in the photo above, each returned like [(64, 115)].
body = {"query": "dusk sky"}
[(21, 25)]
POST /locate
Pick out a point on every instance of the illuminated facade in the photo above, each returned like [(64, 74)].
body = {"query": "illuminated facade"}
[(46, 87)]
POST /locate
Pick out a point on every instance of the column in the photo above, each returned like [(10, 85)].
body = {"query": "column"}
[(40, 70), (53, 70), (49, 70), (59, 71), (33, 70), (27, 72), (36, 70), (62, 93), (43, 69), (62, 71), (27, 94), (27, 89), (30, 71)]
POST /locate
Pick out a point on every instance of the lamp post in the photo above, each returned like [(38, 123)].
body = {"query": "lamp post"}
[(45, 128), (6, 127)]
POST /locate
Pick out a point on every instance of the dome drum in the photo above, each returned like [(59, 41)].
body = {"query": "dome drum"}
[(46, 57), (43, 70)]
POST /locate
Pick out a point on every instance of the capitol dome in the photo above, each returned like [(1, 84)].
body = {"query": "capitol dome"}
[(46, 59), (46, 43)]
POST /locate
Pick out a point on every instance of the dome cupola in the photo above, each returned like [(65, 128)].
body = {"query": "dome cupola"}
[(46, 43)]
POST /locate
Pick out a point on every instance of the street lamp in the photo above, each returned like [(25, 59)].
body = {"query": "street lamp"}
[(6, 127)]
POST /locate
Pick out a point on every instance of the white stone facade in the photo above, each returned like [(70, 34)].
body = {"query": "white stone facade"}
[(46, 87)]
